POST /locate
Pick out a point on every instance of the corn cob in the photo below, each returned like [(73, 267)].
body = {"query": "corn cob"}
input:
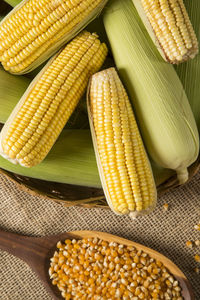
[(46, 106), (166, 121), (34, 30), (124, 168), (189, 72), (12, 89), (170, 28)]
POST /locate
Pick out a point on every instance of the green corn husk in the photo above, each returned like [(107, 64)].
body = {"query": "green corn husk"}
[(189, 72), (73, 151), (13, 3), (165, 118), (71, 161), (11, 90)]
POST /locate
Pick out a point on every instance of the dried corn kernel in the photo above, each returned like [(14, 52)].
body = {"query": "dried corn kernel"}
[(94, 274), (197, 227), (197, 258), (197, 243), (189, 244), (166, 206)]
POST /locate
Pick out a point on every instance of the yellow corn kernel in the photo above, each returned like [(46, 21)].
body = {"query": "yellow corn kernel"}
[(197, 227), (34, 30), (172, 28), (197, 243), (197, 258), (118, 284), (189, 244), (166, 206), (127, 178), (43, 111)]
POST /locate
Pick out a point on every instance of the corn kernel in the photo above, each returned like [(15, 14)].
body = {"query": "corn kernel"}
[(166, 206), (197, 243), (105, 278), (197, 258), (189, 244)]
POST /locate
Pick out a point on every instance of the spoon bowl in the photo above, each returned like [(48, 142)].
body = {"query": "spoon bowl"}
[(36, 252)]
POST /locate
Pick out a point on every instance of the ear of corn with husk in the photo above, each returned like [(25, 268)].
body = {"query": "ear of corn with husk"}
[(35, 30), (189, 72), (162, 109), (47, 104), (124, 168), (170, 28), (71, 154)]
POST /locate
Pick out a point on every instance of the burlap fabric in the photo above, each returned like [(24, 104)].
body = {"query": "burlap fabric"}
[(166, 232)]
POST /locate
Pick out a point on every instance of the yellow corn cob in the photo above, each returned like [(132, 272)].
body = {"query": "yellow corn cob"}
[(43, 111), (167, 22), (123, 164), (34, 30)]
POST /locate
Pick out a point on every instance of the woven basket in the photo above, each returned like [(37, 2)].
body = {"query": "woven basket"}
[(73, 195)]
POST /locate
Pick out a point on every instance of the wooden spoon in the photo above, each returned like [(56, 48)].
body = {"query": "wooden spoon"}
[(36, 252)]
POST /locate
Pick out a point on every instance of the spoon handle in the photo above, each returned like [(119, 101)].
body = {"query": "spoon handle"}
[(26, 248), (34, 251)]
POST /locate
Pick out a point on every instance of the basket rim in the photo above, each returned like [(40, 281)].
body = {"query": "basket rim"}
[(96, 201)]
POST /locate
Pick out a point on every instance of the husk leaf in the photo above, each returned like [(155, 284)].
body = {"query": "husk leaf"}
[(61, 158), (12, 89), (13, 3), (165, 118), (189, 72), (71, 161)]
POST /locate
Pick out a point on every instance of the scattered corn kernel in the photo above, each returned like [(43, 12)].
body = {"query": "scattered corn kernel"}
[(197, 270), (83, 274), (166, 206), (197, 258), (197, 243), (197, 227), (189, 244)]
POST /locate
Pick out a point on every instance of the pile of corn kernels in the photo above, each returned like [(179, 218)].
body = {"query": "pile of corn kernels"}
[(95, 269)]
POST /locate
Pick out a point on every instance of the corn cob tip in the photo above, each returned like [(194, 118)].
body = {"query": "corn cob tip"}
[(4, 155), (135, 214)]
